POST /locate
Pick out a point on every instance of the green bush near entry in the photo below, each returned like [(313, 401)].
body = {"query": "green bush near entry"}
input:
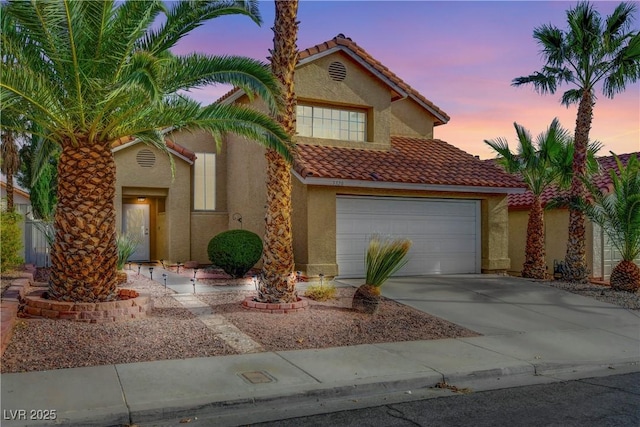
[(235, 251)]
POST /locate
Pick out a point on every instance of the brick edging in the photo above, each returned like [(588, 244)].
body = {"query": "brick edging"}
[(130, 305), (249, 303)]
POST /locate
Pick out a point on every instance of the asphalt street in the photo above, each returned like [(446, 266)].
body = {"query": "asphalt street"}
[(605, 401)]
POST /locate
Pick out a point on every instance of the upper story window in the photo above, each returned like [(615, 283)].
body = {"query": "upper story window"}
[(204, 182), (331, 123)]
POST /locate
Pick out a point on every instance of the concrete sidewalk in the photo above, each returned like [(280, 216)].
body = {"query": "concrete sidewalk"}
[(533, 333)]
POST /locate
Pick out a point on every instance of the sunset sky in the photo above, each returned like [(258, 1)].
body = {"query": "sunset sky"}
[(461, 55)]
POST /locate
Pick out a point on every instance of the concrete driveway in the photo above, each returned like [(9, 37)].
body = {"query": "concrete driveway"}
[(525, 319), (495, 305)]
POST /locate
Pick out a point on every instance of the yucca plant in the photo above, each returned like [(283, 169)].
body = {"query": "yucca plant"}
[(127, 244), (618, 213), (384, 257)]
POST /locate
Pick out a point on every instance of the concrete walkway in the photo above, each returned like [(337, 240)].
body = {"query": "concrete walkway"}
[(533, 333)]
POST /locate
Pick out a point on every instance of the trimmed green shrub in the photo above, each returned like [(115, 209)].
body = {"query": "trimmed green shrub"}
[(10, 241), (235, 251)]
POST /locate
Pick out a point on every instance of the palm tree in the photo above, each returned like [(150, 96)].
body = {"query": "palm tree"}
[(9, 163), (589, 52), (540, 165), (87, 73), (278, 280), (618, 213)]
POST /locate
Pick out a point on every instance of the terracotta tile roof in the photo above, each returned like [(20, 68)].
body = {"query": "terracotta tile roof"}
[(342, 42), (602, 180), (177, 148), (410, 160)]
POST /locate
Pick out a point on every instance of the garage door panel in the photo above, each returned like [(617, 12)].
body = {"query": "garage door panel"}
[(445, 233)]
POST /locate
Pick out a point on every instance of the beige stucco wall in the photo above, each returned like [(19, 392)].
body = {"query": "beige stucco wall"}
[(315, 229), (206, 224), (178, 234), (156, 181), (410, 119), (556, 223), (202, 142), (359, 89), (495, 234), (319, 241), (246, 191)]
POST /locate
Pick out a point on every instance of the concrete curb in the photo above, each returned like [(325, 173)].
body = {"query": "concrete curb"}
[(300, 401)]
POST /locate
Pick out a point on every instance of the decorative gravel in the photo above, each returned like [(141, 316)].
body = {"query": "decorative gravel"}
[(172, 332), (629, 300)]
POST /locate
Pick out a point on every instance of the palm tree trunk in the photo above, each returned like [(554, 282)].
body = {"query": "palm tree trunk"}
[(84, 254), (10, 190), (575, 260), (278, 280), (534, 265), (10, 165)]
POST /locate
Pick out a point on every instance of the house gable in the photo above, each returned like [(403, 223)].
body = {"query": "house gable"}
[(362, 83), (409, 119), (359, 91)]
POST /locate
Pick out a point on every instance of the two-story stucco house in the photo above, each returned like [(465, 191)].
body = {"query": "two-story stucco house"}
[(367, 162)]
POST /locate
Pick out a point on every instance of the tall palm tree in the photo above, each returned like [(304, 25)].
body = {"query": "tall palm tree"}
[(87, 73), (9, 163), (588, 53), (618, 213), (278, 281), (540, 165)]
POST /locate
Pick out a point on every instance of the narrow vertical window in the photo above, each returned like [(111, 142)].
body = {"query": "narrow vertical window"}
[(204, 182)]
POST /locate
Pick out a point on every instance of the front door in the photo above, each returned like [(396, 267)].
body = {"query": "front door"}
[(135, 221)]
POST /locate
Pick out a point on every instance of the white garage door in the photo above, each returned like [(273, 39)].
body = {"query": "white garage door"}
[(445, 233)]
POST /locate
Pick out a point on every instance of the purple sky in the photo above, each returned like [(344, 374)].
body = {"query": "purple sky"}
[(461, 55)]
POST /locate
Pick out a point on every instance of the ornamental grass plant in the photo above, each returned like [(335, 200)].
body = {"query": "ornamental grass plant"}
[(127, 245), (384, 257)]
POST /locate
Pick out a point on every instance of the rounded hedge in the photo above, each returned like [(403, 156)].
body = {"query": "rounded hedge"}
[(235, 251)]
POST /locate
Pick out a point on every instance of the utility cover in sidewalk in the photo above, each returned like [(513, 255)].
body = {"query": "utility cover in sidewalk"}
[(257, 377)]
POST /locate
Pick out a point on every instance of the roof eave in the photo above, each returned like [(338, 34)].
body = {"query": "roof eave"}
[(339, 182), (136, 141), (443, 119)]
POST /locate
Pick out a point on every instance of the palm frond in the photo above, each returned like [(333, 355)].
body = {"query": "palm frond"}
[(542, 83), (187, 15), (541, 163), (252, 76), (618, 211), (588, 52), (246, 122)]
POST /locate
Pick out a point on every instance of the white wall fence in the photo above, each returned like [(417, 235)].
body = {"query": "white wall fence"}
[(36, 245)]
